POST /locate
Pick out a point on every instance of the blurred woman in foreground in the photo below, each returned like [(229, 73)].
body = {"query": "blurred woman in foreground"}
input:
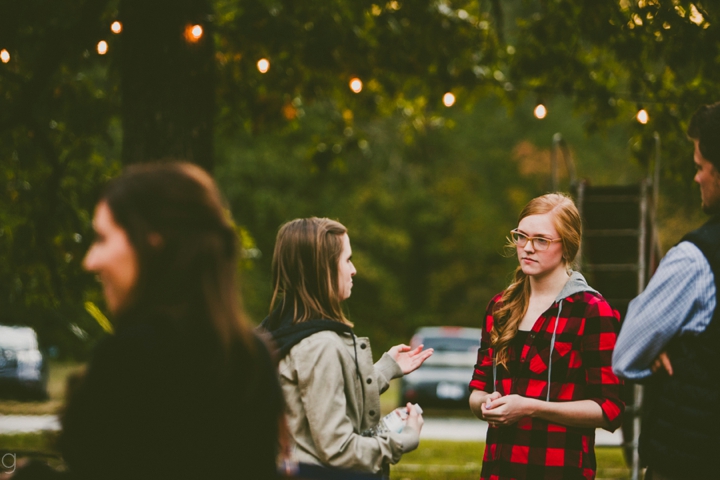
[(543, 379), (183, 389), (332, 388)]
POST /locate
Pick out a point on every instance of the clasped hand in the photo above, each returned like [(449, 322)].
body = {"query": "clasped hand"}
[(409, 359), (499, 410)]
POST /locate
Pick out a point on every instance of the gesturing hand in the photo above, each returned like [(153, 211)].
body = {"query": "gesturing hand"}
[(409, 359)]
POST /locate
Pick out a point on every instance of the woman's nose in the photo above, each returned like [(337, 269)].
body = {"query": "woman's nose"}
[(88, 262)]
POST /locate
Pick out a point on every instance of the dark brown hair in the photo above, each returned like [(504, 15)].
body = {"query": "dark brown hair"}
[(186, 246), (705, 128), (305, 268)]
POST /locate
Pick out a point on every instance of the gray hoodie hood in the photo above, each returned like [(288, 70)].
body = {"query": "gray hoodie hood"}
[(575, 284)]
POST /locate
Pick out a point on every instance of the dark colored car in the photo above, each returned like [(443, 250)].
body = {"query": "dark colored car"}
[(23, 371), (443, 379)]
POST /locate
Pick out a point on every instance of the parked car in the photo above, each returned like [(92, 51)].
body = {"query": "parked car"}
[(444, 377), (23, 370)]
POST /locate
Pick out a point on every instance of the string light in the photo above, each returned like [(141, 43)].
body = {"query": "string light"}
[(193, 33), (356, 85), (448, 99), (102, 47), (642, 116), (4, 56), (540, 111), (263, 65), (116, 27)]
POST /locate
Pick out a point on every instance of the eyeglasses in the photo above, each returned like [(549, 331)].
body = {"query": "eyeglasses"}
[(539, 243)]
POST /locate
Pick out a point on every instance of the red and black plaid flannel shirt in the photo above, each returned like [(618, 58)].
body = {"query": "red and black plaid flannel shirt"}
[(534, 448)]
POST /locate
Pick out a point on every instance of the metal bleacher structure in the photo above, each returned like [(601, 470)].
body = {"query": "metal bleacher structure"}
[(619, 253)]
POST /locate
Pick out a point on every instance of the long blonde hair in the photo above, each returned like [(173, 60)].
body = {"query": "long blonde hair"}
[(305, 269), (516, 296)]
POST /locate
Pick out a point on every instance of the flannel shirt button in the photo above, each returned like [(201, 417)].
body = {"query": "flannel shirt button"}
[(363, 346), (372, 413), (369, 381)]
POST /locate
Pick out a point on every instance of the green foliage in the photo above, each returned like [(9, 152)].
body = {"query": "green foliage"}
[(56, 133), (427, 218), (412, 49), (427, 192), (613, 57)]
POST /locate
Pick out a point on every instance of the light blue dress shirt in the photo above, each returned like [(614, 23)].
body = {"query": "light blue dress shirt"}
[(679, 300)]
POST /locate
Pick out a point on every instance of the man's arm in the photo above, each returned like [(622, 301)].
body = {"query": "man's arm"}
[(680, 297)]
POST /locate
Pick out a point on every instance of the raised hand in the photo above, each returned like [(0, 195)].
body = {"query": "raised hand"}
[(409, 359)]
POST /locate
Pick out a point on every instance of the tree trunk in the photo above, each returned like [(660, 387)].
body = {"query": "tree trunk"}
[(167, 81)]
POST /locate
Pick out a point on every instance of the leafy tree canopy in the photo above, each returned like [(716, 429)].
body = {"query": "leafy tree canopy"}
[(428, 190)]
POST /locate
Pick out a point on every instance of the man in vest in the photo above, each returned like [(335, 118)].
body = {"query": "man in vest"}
[(670, 339)]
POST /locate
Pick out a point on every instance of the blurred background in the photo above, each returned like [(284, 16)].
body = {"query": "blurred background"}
[(414, 123), (424, 126)]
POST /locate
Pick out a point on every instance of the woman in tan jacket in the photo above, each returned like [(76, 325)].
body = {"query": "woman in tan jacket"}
[(331, 386)]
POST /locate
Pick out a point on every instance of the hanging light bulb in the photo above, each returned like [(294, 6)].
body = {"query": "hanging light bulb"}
[(4, 56), (448, 99), (263, 65), (102, 47), (193, 33), (116, 27), (642, 116), (540, 111), (356, 85)]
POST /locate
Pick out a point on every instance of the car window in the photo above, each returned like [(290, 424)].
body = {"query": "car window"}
[(13, 340), (451, 344)]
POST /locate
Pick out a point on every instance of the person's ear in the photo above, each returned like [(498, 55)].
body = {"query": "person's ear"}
[(156, 240)]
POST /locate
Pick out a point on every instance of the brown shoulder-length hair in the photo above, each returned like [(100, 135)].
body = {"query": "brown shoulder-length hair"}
[(305, 269), (516, 296), (186, 246)]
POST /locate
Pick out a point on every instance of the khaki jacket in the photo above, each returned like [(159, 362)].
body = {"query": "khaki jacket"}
[(328, 406)]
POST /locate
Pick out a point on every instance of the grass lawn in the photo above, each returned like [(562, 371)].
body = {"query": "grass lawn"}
[(17, 449), (446, 460), (29, 442), (434, 460), (58, 373)]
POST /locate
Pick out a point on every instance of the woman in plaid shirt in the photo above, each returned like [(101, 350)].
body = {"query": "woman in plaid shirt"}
[(543, 379)]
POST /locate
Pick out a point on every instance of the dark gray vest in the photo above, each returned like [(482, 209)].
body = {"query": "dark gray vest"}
[(680, 433)]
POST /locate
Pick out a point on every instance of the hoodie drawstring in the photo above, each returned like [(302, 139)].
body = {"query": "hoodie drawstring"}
[(552, 348), (494, 373)]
